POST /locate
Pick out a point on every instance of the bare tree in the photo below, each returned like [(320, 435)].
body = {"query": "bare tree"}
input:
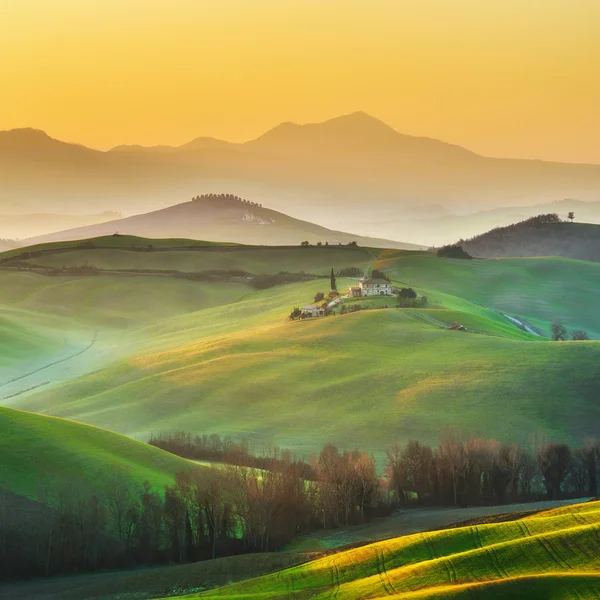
[(451, 453)]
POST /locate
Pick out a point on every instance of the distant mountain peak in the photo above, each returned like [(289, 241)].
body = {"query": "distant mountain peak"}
[(27, 133)]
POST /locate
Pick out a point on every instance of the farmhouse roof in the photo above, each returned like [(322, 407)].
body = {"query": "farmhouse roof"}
[(311, 307)]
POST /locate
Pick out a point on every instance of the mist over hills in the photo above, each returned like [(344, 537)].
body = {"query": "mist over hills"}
[(18, 226), (445, 229), (339, 173), (222, 218)]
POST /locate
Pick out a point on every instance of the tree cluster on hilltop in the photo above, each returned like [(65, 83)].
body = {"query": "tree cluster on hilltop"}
[(542, 235), (226, 199)]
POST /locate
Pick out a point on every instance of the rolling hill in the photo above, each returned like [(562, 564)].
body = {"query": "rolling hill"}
[(35, 447), (436, 229), (531, 238), (552, 555), (315, 172), (164, 351), (221, 218)]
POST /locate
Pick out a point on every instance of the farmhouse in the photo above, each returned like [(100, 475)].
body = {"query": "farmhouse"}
[(312, 310), (375, 287), (354, 292)]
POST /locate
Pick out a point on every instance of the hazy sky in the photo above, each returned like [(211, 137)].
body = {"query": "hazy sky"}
[(501, 77)]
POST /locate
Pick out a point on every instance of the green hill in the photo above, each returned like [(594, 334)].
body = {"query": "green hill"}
[(126, 252), (552, 555), (388, 371), (34, 447), (166, 352), (541, 290), (544, 235)]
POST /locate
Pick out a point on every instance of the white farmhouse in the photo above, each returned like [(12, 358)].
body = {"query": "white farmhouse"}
[(375, 287), (312, 310)]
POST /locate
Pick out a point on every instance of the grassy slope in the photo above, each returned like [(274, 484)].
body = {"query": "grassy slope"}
[(112, 241), (222, 357), (539, 289), (552, 555), (34, 447), (388, 371), (170, 254)]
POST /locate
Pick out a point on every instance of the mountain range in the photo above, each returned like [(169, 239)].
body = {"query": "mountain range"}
[(336, 173)]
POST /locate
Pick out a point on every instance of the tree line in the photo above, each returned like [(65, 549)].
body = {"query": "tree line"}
[(226, 199), (258, 501)]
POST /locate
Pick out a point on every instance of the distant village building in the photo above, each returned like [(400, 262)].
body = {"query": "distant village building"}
[(312, 310), (375, 287)]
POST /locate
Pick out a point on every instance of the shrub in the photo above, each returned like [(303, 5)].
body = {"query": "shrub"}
[(407, 293), (319, 296), (377, 274), (579, 335), (453, 251)]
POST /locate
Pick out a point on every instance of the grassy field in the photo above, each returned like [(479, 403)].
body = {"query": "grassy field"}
[(159, 353), (389, 371), (34, 448), (540, 289), (122, 253), (552, 555)]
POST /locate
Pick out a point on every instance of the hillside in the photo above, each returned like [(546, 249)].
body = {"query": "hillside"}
[(552, 555), (34, 448), (222, 218), (436, 229), (315, 172), (533, 237), (168, 352), (19, 226)]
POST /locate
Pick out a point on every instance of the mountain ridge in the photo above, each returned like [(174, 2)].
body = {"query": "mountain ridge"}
[(349, 167)]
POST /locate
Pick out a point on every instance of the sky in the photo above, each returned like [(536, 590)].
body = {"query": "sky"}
[(513, 78)]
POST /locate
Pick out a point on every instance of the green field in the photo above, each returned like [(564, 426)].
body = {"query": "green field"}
[(36, 449), (123, 253), (552, 555), (156, 353), (540, 289)]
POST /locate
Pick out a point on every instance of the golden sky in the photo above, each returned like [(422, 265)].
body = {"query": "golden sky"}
[(517, 78)]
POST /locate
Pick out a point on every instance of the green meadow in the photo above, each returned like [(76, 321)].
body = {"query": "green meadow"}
[(36, 449), (152, 353), (131, 253), (552, 555)]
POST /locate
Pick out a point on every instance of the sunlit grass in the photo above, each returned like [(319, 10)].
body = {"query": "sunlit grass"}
[(536, 557)]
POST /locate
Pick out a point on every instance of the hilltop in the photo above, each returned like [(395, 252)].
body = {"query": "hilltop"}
[(315, 171), (542, 235), (436, 229), (222, 218)]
